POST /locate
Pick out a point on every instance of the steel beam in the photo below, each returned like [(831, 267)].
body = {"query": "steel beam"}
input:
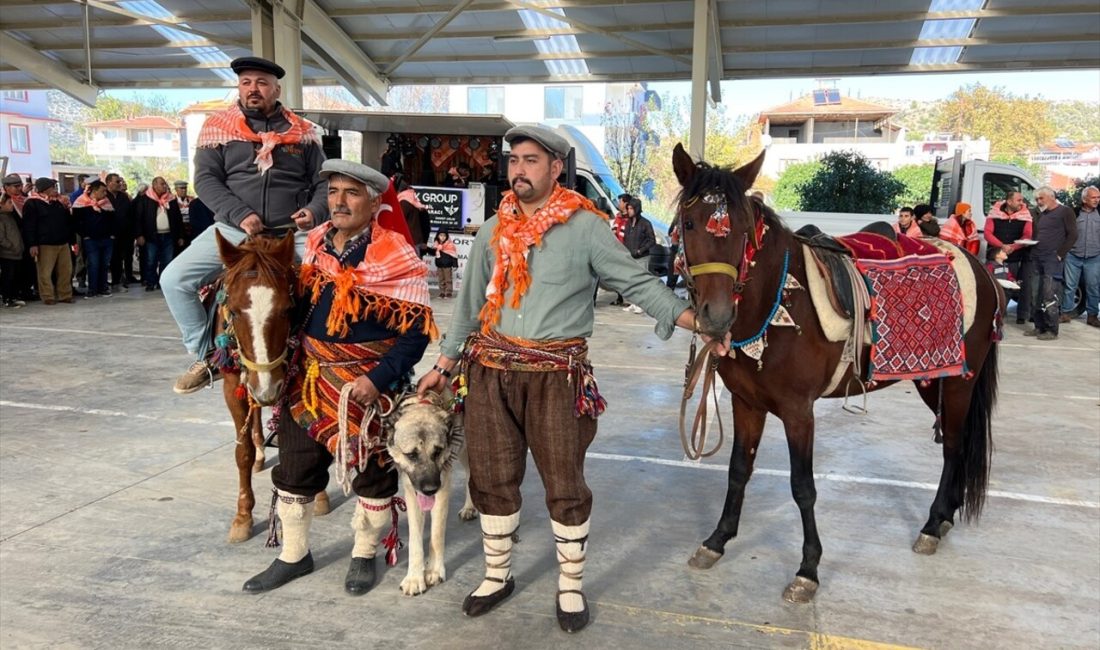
[(341, 56), (428, 35), (701, 37), (714, 53), (46, 70)]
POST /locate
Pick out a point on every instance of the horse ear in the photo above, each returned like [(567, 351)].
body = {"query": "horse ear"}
[(285, 252), (683, 165), (747, 173), (229, 253)]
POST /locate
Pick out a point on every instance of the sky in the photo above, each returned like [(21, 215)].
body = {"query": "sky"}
[(751, 96)]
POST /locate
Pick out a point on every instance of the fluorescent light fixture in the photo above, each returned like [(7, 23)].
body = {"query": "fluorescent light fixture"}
[(953, 28)]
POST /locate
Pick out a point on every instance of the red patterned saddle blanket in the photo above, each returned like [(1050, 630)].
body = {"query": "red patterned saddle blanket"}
[(916, 308)]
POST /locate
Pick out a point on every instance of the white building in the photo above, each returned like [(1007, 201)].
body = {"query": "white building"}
[(24, 134), (137, 137), (823, 122)]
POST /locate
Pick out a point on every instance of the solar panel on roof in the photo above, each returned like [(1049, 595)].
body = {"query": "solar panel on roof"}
[(820, 98), (826, 96)]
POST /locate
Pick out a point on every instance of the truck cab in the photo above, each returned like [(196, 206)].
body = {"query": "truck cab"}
[(977, 182)]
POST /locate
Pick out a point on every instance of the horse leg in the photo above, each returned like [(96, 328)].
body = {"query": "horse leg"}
[(800, 443), (241, 527), (748, 426)]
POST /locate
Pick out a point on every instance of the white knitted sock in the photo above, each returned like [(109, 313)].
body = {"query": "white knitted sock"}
[(572, 544), (296, 514), (496, 542), (369, 522)]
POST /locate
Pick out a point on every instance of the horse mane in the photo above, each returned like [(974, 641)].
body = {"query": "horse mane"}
[(722, 179), (261, 260)]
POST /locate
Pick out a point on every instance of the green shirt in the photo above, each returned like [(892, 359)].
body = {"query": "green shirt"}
[(564, 271)]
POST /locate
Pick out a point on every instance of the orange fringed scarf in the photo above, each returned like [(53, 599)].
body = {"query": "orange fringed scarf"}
[(513, 236), (390, 285)]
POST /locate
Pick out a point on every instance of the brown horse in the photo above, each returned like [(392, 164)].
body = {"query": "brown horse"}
[(255, 305), (736, 281)]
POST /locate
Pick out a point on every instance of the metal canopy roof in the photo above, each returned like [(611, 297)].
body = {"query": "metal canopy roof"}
[(518, 41)]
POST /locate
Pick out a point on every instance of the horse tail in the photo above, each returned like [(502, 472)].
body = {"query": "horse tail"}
[(977, 444)]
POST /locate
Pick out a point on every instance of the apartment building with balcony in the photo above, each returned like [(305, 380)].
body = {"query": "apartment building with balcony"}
[(132, 138)]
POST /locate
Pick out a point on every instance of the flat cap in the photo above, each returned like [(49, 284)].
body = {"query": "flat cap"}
[(374, 179), (43, 183), (256, 63), (553, 143), (13, 179), (179, 184)]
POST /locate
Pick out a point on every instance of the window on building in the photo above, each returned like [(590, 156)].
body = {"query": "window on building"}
[(485, 99), (140, 136), (563, 102), (910, 150), (19, 136), (15, 95)]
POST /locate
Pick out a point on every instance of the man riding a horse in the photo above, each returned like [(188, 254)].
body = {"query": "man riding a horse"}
[(367, 322)]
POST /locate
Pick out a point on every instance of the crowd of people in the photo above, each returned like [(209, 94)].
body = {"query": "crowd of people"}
[(55, 247), (1043, 255)]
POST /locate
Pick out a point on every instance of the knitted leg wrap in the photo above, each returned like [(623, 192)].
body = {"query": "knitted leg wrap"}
[(370, 520), (572, 544), (496, 540), (295, 515)]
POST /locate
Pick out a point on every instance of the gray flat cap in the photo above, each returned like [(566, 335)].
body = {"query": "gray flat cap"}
[(13, 179), (553, 143), (374, 179), (179, 184)]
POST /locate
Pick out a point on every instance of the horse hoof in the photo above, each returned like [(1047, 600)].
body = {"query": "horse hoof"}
[(945, 526), (321, 505), (241, 532), (926, 544), (704, 558), (800, 591)]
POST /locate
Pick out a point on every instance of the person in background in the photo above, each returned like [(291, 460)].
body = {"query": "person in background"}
[(906, 224), (51, 238), (26, 274), (160, 230), (926, 220), (639, 239), (11, 252), (81, 185), (1083, 260), (94, 215), (122, 251), (202, 217), (183, 201), (1009, 221), (961, 230), (446, 259), (1056, 230)]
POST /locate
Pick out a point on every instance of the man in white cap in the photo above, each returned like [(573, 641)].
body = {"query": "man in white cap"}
[(256, 168), (368, 324), (523, 316)]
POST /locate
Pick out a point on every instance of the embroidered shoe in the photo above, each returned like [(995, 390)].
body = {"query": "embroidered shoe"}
[(199, 375)]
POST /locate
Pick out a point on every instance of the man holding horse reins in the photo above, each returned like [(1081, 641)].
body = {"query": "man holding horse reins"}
[(256, 167), (520, 326), (368, 322)]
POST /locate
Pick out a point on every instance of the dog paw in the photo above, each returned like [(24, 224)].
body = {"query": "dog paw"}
[(414, 584), (467, 514), (435, 576)]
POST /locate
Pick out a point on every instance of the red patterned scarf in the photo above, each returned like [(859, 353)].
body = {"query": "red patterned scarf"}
[(389, 285), (86, 201), (231, 125), (962, 234), (514, 235), (162, 201)]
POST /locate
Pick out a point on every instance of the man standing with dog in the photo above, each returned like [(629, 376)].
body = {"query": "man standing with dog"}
[(367, 323), (526, 306)]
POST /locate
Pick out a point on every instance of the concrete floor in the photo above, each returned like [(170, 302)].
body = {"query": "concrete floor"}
[(116, 495)]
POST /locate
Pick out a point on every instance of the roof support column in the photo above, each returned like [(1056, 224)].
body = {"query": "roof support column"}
[(277, 36), (701, 33)]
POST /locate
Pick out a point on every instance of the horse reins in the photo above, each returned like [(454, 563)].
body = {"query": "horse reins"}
[(705, 365)]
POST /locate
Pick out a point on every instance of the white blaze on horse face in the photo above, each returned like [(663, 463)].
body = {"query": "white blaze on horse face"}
[(262, 302)]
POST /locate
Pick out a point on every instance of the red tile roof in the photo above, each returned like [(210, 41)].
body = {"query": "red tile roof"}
[(848, 106), (146, 122)]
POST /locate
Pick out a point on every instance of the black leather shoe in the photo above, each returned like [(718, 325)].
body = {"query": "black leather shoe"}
[(478, 605), (572, 621), (360, 576), (278, 574)]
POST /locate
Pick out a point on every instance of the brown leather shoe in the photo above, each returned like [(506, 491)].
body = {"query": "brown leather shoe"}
[(1093, 320), (68, 300), (1065, 318), (198, 376), (47, 301)]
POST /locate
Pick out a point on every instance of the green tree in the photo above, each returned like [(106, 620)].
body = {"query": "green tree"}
[(1076, 120), (788, 187), (1072, 197), (917, 180), (1013, 125), (628, 141), (847, 182), (1036, 170)]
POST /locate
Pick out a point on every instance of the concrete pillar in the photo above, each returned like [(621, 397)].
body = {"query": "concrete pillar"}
[(263, 38), (810, 131), (698, 141), (276, 36)]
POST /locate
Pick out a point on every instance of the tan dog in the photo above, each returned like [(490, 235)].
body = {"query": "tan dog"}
[(425, 441)]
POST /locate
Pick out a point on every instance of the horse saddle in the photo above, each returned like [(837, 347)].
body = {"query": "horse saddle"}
[(833, 262)]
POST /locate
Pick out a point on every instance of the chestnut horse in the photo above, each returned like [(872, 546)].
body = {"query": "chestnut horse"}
[(735, 281), (254, 322)]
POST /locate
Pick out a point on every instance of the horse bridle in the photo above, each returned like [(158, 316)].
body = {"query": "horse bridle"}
[(691, 271)]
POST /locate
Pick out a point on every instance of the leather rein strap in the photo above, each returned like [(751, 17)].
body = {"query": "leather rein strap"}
[(703, 365)]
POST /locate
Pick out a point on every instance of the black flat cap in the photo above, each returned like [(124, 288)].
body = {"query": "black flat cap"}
[(553, 143), (256, 63)]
